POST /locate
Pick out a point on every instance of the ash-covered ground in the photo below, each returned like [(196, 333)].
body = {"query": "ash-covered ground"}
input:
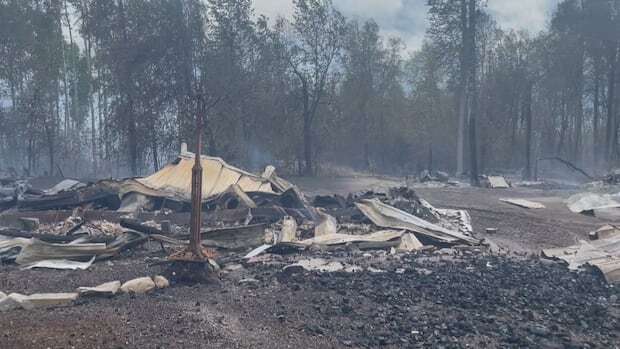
[(432, 299), (429, 299)]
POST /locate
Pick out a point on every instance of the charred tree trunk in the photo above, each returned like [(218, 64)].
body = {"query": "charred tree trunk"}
[(611, 137), (578, 138), (463, 92), (155, 155), (309, 168), (132, 131), (596, 117), (528, 132), (473, 93)]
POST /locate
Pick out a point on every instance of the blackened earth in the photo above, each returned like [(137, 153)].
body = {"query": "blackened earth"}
[(424, 300)]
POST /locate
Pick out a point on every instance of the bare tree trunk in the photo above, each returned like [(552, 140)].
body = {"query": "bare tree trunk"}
[(155, 155), (132, 132), (65, 84), (309, 168), (611, 138), (528, 132), (563, 128), (132, 138), (578, 143), (473, 93), (460, 142), (91, 107), (596, 117)]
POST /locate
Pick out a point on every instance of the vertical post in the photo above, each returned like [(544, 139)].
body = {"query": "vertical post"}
[(195, 243)]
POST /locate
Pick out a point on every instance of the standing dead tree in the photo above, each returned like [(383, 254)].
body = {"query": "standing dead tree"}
[(315, 41)]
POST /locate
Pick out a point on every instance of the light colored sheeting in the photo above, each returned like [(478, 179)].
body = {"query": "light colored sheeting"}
[(61, 264), (43, 300), (175, 179), (603, 254), (320, 265), (409, 243), (340, 239), (279, 183), (288, 233), (107, 289), (67, 184), (386, 216), (257, 251), (327, 224), (33, 250), (451, 219), (134, 202), (37, 300), (523, 203), (498, 182), (585, 202)]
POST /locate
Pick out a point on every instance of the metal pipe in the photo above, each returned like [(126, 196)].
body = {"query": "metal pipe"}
[(195, 243)]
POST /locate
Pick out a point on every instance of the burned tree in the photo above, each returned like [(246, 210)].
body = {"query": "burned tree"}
[(314, 43)]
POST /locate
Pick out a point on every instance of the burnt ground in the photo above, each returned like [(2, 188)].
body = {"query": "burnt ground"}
[(430, 299)]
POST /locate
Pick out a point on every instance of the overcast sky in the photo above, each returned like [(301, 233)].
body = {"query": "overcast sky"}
[(407, 18)]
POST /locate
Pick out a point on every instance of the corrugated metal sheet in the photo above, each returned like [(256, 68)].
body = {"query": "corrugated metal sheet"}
[(587, 202), (524, 203), (498, 182), (386, 216), (603, 254), (175, 180)]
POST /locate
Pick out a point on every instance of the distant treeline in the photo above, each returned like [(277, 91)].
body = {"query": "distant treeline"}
[(111, 88)]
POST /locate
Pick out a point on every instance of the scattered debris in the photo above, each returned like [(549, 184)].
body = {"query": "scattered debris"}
[(107, 289), (65, 185), (409, 243), (497, 182), (316, 264), (44, 300), (389, 217), (613, 178), (589, 203), (288, 233), (380, 239), (39, 300), (603, 254), (434, 176), (62, 264), (139, 285), (524, 203), (257, 251), (33, 250), (14, 301), (491, 231), (327, 225), (161, 282)]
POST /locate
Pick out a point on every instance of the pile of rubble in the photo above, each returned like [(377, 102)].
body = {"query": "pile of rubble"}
[(248, 218), (74, 224)]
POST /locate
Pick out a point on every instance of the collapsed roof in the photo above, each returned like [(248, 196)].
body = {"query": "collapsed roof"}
[(174, 181)]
